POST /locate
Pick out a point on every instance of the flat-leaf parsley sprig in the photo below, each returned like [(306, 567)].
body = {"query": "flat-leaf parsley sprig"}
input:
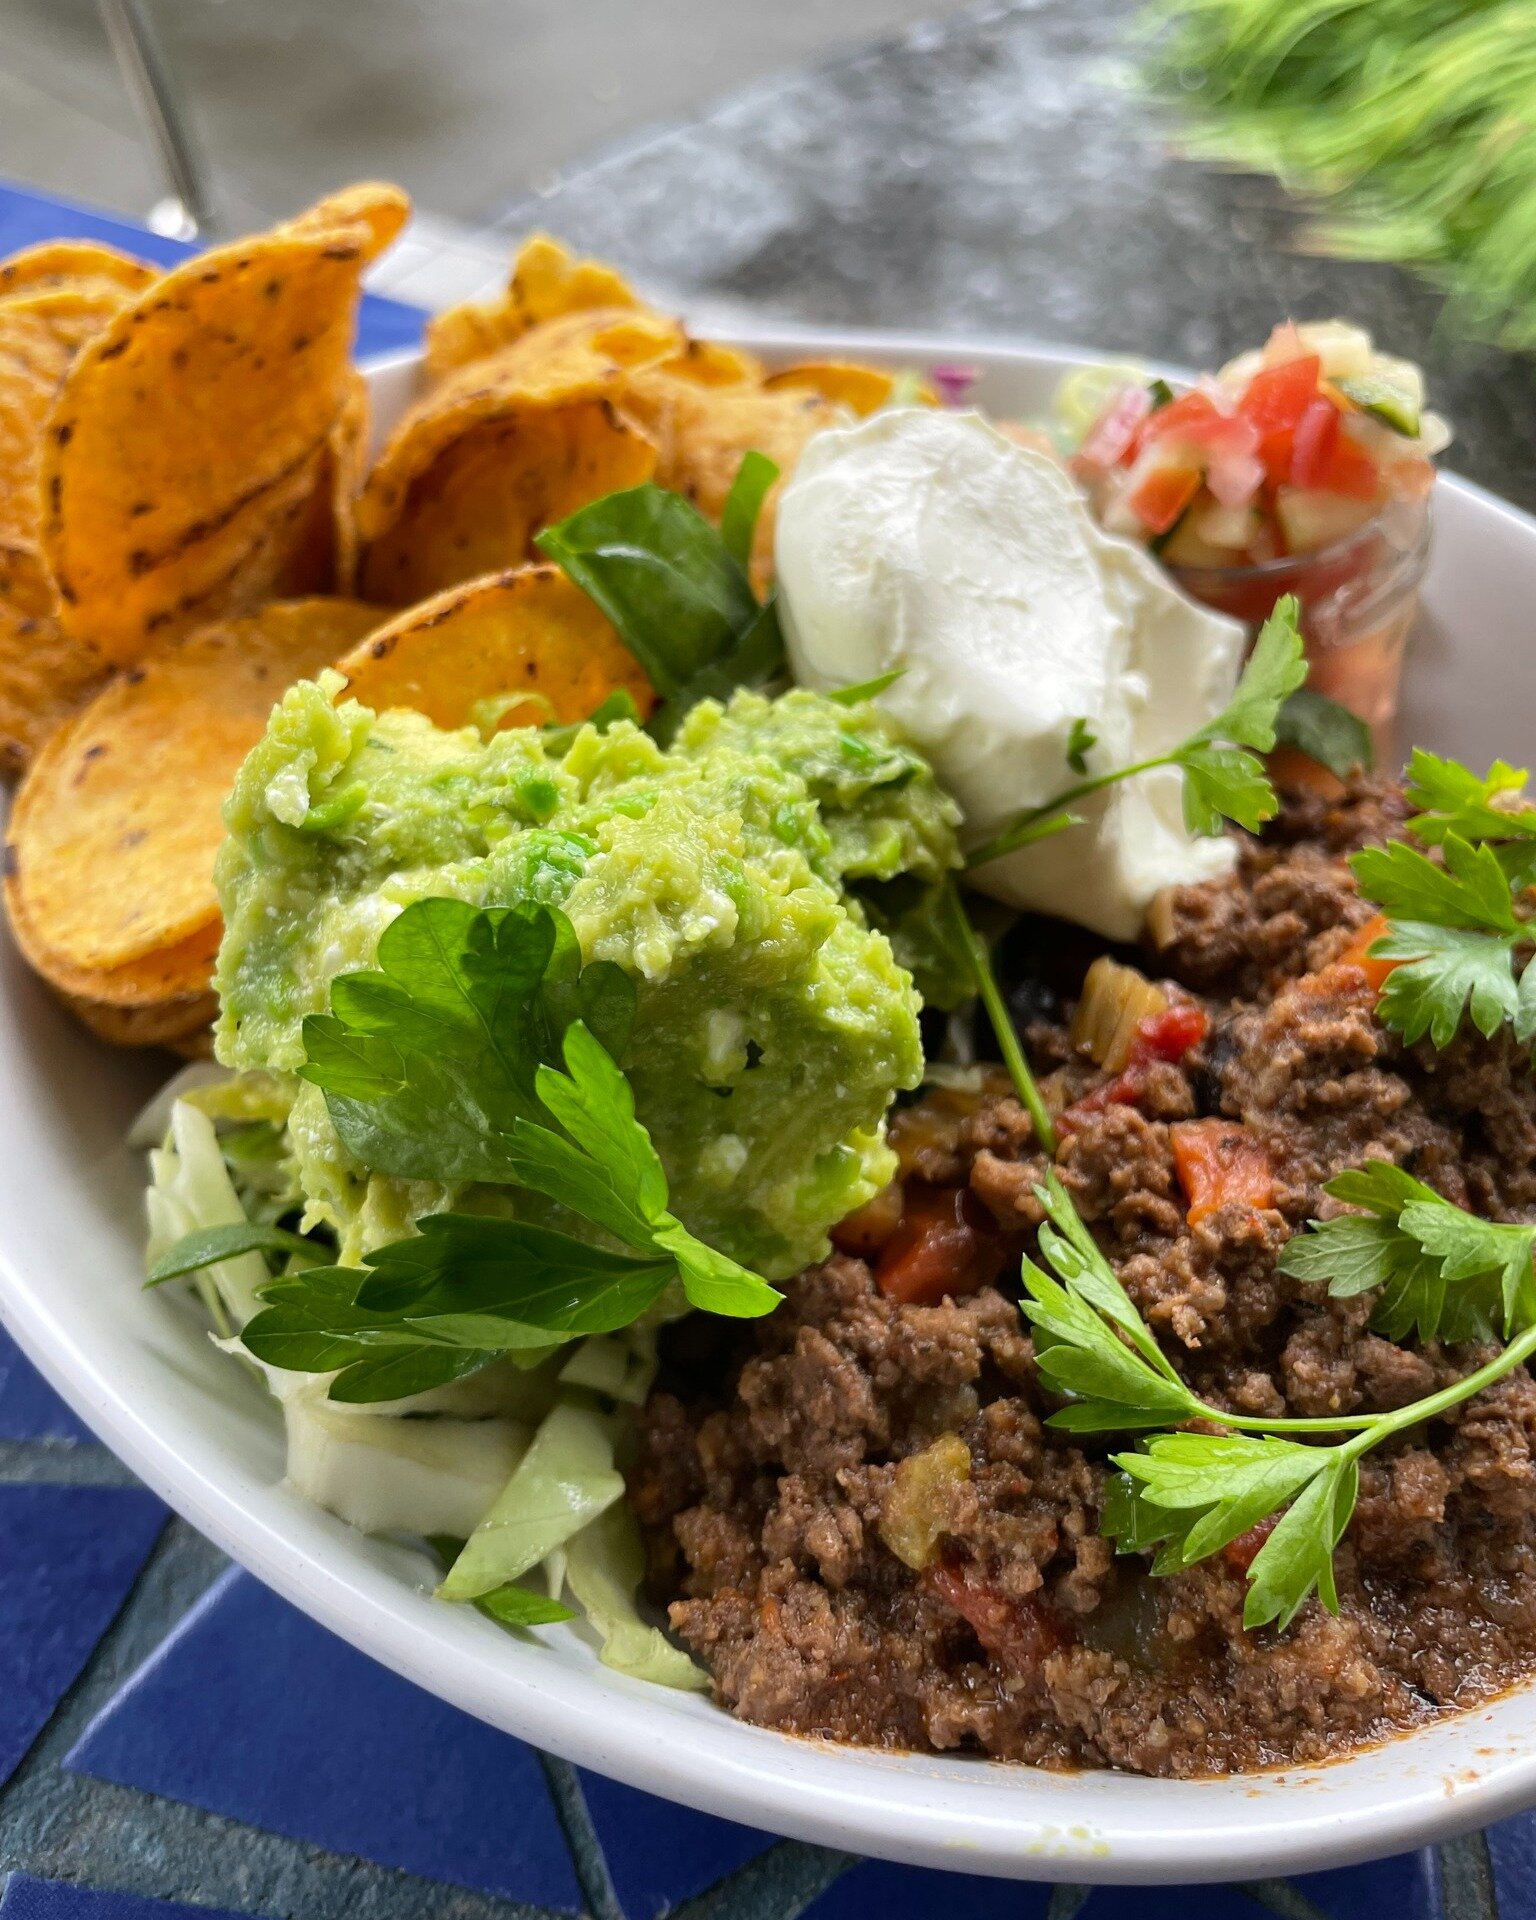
[(1437, 1271), (1185, 1495), (480, 1049), (1223, 778), (1457, 930)]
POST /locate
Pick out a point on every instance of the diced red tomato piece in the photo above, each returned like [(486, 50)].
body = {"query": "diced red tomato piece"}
[(1162, 494), (946, 1244), (1168, 1035), (1219, 1164), (1351, 471), (1241, 1553), (1191, 415), (1276, 397), (1016, 1634), (1317, 437)]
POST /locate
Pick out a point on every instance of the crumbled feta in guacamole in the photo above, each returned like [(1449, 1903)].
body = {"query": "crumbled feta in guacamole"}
[(774, 1021)]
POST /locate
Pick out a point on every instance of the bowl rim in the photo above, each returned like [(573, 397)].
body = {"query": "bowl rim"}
[(964, 1814)]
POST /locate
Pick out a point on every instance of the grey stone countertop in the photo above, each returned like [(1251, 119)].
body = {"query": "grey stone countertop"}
[(999, 174)]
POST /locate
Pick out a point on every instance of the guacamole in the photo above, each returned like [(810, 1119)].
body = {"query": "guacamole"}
[(732, 876)]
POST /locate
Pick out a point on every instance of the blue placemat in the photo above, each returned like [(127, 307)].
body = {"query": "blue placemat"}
[(383, 325)]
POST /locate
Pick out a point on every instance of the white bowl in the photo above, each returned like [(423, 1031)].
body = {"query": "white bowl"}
[(139, 1368)]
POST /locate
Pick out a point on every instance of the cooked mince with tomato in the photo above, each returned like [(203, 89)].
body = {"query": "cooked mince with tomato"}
[(865, 1527)]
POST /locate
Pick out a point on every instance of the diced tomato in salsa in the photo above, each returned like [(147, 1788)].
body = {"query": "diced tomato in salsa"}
[(1161, 496), (1272, 459)]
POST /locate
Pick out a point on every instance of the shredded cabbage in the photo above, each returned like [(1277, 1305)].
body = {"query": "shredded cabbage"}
[(383, 1474), (190, 1188), (622, 1366), (518, 1460), (154, 1117), (603, 1567), (565, 1479)]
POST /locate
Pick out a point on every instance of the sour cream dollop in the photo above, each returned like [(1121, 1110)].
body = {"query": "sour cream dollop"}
[(926, 540)]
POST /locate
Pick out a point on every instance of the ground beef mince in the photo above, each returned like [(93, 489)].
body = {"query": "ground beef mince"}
[(777, 1464)]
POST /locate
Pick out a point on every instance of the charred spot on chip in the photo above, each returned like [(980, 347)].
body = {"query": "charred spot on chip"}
[(63, 433), (10, 860)]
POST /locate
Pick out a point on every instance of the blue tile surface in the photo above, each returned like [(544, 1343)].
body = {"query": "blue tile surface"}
[(69, 1556), (28, 1899), (658, 1854), (1512, 1849), (383, 326), (29, 1407), (916, 1893), (1401, 1887), (250, 1709)]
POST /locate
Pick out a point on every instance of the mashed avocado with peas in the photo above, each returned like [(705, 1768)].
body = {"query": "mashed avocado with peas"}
[(737, 877)]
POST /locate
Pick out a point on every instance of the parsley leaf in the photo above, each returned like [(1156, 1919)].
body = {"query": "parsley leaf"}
[(1182, 1495), (447, 1301), (1276, 668), (1326, 732), (1223, 783), (206, 1246), (429, 1060), (1441, 1271), (608, 1171), (1226, 782), (1091, 1343), (663, 575), (1470, 890), (1453, 799), (1453, 932), (481, 1050), (1443, 972), (1191, 1494)]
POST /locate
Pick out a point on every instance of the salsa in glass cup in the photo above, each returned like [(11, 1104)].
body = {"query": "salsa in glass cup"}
[(1305, 467)]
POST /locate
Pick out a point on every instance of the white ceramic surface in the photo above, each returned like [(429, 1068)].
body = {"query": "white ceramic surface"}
[(138, 1367)]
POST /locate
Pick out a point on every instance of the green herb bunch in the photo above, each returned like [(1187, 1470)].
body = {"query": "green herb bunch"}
[(1409, 122)]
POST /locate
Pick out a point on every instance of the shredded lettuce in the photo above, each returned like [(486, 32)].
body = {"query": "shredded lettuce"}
[(566, 1479), (603, 1568)]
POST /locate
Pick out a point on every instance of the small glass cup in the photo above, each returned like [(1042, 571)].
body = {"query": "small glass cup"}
[(1358, 600)]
